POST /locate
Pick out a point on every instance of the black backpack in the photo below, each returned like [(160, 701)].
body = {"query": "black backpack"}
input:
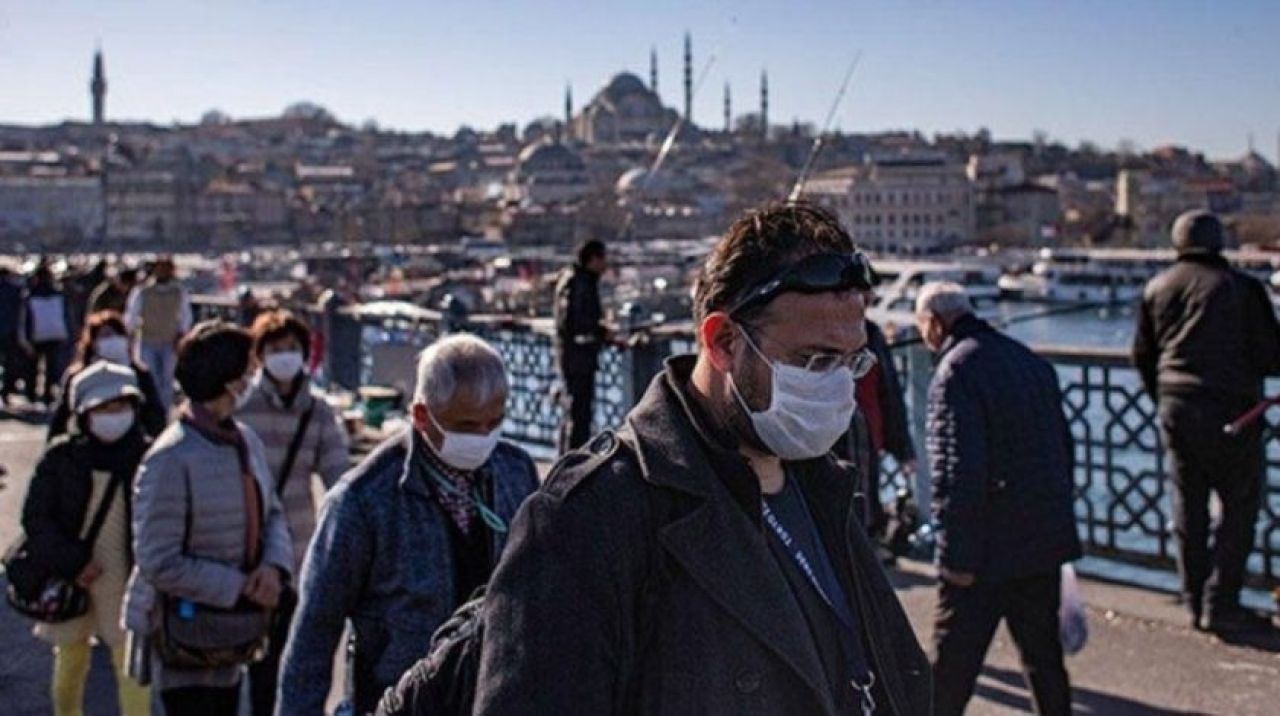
[(443, 683)]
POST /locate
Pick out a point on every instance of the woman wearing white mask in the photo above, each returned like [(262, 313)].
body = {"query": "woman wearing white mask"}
[(104, 338), (212, 546), (304, 438), (76, 516)]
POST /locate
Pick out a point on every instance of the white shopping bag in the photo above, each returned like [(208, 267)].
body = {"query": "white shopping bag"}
[(1073, 624)]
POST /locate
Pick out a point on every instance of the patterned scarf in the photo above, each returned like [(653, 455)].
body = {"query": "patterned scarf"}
[(461, 509), (226, 433)]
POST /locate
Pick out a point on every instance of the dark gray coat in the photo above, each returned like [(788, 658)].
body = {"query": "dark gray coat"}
[(638, 580), (1206, 329)]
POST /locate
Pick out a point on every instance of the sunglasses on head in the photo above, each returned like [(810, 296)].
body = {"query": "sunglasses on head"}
[(818, 273)]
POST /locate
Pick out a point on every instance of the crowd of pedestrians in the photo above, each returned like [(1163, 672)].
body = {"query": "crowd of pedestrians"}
[(723, 551)]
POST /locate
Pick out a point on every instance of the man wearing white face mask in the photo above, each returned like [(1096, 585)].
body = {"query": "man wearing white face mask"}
[(707, 557), (303, 438), (408, 535)]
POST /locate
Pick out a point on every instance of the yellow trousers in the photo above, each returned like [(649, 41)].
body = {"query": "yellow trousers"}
[(71, 671)]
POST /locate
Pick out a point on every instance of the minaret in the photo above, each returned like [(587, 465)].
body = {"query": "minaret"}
[(764, 103), (568, 110), (728, 109), (653, 70), (688, 78), (98, 87)]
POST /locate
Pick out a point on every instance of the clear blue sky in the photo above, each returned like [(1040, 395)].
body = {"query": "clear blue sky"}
[(1202, 74)]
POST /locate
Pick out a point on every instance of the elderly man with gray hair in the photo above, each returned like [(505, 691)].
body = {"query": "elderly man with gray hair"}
[(1000, 456), (409, 534)]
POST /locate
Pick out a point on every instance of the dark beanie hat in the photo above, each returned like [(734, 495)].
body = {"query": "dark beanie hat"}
[(1197, 231), (212, 355)]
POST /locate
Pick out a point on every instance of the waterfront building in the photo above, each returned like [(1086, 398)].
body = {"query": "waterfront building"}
[(1148, 201), (49, 211), (231, 213), (900, 204), (148, 199)]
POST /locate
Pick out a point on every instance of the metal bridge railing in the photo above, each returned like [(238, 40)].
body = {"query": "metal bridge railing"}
[(1122, 499)]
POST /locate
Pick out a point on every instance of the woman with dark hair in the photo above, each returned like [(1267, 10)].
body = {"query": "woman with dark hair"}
[(303, 438), (210, 537), (76, 518), (104, 338)]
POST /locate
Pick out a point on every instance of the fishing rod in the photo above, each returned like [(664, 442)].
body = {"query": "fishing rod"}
[(1237, 426), (668, 143), (1023, 318), (798, 188)]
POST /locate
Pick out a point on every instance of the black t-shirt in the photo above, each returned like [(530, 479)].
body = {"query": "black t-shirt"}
[(832, 616)]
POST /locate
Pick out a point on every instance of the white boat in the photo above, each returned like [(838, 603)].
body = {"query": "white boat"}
[(1067, 276), (1105, 275), (901, 280)]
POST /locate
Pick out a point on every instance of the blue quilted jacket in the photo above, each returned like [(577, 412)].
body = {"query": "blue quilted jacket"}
[(1001, 458), (380, 557)]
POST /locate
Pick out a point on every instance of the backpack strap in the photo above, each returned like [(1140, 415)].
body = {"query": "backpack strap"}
[(295, 445)]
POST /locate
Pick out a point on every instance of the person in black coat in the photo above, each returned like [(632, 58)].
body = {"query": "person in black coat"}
[(708, 558), (104, 338), (1206, 339), (1000, 456), (580, 334)]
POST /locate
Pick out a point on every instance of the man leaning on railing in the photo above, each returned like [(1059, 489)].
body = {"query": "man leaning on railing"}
[(1206, 338)]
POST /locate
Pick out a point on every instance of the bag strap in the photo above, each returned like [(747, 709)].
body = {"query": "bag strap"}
[(295, 444), (100, 515)]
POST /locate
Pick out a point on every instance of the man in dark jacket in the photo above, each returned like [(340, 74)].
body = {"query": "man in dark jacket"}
[(707, 558), (1000, 454), (580, 334), (408, 535), (1206, 338), (879, 426)]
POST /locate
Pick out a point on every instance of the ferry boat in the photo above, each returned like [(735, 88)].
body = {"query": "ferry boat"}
[(1106, 276)]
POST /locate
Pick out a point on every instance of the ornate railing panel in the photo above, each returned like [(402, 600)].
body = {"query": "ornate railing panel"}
[(1122, 500)]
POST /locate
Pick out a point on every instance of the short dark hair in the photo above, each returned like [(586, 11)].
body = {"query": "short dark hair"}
[(271, 326), (93, 325), (213, 354), (590, 250), (760, 244)]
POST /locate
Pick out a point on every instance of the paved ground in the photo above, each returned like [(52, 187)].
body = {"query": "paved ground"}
[(1141, 658)]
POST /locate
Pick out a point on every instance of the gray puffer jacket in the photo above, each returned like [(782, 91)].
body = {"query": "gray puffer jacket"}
[(324, 451), (209, 568)]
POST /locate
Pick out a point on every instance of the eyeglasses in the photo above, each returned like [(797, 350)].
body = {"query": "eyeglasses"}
[(818, 273), (859, 362)]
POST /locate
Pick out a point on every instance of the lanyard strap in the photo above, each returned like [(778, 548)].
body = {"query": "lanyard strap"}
[(867, 702), (797, 554)]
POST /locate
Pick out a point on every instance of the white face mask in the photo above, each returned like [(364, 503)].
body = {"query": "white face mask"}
[(283, 366), (110, 427), (465, 451), (113, 348), (808, 411)]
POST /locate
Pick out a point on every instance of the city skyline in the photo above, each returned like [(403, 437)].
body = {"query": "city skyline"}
[(1144, 72)]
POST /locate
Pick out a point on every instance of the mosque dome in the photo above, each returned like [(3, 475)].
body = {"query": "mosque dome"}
[(549, 156)]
